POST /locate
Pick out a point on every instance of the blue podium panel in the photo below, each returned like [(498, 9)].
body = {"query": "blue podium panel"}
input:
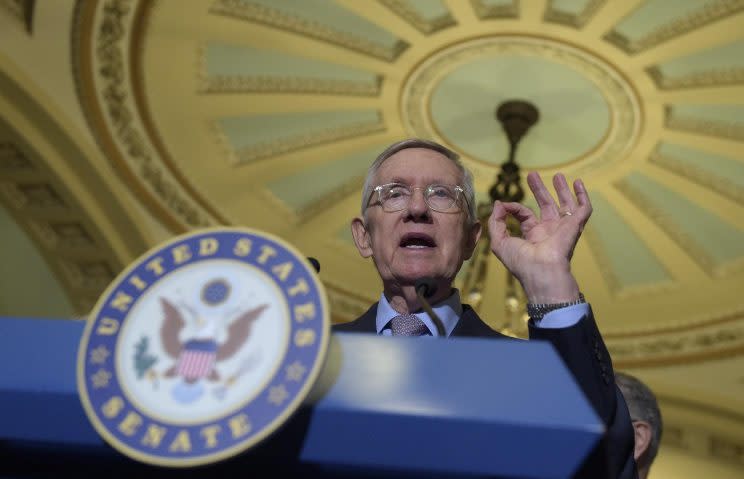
[(38, 393), (465, 405), (409, 406)]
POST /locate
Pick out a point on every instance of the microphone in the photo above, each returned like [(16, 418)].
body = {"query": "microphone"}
[(426, 288), (315, 263)]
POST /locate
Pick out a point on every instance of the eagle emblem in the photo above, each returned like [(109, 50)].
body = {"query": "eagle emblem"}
[(198, 337)]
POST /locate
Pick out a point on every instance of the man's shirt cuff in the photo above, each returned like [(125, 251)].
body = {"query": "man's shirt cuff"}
[(564, 317)]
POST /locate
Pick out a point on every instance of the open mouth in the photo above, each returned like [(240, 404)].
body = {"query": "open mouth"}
[(417, 241)]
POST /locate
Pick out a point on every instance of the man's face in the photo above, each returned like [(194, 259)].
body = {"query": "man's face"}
[(416, 242)]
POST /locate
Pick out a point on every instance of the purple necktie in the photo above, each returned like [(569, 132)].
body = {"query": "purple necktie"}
[(408, 325)]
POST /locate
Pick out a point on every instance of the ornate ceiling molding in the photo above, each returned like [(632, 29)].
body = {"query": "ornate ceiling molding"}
[(107, 47), (607, 270), (679, 348), (54, 192), (572, 19), (260, 83), (694, 248), (697, 174), (274, 17), (405, 10), (68, 239), (314, 207), (503, 10), (688, 426), (290, 143), (275, 84), (625, 109), (708, 12), (703, 126), (709, 338), (711, 78)]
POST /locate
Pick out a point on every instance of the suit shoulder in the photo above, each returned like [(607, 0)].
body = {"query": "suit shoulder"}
[(353, 325), (364, 323)]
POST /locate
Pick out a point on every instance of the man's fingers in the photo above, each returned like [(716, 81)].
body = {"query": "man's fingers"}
[(585, 204), (497, 223), (548, 208), (523, 214), (581, 194), (565, 195)]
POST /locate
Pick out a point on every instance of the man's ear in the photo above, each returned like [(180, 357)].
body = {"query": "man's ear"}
[(361, 237), (472, 236), (642, 438)]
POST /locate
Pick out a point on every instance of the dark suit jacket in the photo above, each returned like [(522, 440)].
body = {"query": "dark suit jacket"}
[(585, 355)]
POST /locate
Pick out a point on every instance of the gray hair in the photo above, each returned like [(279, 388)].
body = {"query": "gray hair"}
[(643, 406), (467, 177)]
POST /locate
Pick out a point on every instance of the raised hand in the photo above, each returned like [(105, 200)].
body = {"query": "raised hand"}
[(541, 258)]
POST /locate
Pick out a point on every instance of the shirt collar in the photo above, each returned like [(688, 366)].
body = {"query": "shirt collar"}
[(449, 311)]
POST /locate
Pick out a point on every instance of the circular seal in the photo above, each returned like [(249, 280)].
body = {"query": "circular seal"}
[(203, 347)]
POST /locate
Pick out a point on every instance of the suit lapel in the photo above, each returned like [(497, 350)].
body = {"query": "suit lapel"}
[(470, 325)]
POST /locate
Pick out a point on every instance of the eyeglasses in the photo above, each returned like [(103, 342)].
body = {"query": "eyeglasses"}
[(397, 196)]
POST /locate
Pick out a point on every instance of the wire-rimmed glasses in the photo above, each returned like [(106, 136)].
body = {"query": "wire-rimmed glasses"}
[(397, 196)]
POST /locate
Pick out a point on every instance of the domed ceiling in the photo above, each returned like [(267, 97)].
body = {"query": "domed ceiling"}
[(267, 113)]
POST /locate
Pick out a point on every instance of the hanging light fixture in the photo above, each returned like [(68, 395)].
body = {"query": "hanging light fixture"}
[(516, 118)]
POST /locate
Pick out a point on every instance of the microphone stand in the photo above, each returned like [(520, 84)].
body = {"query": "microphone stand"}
[(423, 289)]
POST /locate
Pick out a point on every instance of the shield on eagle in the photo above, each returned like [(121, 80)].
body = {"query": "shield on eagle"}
[(197, 357)]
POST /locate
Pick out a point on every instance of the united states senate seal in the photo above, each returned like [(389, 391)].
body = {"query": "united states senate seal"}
[(203, 347)]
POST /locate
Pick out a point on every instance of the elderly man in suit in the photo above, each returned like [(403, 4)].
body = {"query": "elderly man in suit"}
[(418, 221)]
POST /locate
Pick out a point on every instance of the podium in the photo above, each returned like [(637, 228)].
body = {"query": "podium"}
[(382, 407)]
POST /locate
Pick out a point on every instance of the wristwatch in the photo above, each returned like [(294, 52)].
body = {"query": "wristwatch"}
[(537, 311)]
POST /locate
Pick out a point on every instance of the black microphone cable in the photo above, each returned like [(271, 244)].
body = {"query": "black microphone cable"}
[(426, 288)]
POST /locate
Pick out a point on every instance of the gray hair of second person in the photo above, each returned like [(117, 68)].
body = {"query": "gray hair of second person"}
[(642, 406), (467, 177)]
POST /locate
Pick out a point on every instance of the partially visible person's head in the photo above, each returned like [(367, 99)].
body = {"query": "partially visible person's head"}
[(646, 418), (410, 237)]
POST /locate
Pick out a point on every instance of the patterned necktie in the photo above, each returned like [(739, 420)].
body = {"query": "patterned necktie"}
[(408, 325)]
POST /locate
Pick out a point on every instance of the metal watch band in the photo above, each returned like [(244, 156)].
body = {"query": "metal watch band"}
[(537, 311)]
